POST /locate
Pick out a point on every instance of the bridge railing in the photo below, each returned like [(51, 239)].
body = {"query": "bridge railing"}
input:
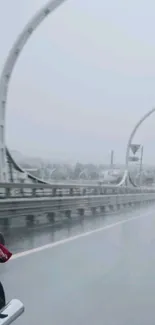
[(31, 208), (18, 190)]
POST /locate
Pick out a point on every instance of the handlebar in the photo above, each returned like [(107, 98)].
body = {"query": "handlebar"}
[(11, 312)]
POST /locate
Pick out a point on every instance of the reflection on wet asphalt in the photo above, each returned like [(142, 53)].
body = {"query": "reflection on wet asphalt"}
[(105, 278), (19, 241)]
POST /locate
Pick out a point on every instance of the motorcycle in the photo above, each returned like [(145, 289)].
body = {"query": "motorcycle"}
[(10, 311)]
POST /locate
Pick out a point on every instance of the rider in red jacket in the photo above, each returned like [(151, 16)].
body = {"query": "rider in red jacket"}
[(5, 254)]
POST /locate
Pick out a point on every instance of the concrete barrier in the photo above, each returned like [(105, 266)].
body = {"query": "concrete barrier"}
[(29, 208)]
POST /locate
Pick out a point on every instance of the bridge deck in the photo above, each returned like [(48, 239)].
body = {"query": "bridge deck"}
[(106, 278)]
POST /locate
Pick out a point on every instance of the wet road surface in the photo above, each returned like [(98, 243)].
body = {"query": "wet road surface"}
[(107, 278)]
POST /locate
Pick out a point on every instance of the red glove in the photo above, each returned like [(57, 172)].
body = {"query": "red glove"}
[(4, 254)]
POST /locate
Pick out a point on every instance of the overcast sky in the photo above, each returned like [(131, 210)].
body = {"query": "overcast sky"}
[(84, 78)]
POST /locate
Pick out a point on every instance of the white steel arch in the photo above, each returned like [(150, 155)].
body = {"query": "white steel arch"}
[(7, 71), (133, 134)]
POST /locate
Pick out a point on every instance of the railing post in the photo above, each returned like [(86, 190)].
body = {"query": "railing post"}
[(93, 210), (71, 192), (102, 209), (51, 217), (81, 213), (30, 220), (7, 192), (54, 191), (68, 214), (33, 192)]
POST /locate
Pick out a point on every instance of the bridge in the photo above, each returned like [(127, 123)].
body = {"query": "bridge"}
[(101, 275)]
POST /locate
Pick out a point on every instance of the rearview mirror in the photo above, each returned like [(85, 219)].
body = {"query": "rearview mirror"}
[(11, 312)]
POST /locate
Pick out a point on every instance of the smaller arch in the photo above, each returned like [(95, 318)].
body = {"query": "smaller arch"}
[(133, 134), (138, 124)]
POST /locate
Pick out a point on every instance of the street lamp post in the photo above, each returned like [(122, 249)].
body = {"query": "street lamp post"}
[(141, 165), (112, 159)]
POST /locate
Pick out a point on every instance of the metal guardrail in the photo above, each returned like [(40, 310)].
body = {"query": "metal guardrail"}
[(24, 206), (18, 190), (55, 185)]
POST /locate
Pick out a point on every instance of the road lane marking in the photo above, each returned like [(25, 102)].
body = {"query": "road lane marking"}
[(70, 239)]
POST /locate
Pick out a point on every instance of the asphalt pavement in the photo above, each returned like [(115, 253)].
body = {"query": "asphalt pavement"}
[(106, 277)]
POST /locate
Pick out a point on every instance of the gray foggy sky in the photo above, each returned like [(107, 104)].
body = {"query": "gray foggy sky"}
[(84, 78)]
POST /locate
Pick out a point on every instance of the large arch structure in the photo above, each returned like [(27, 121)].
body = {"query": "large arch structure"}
[(7, 72), (136, 127)]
